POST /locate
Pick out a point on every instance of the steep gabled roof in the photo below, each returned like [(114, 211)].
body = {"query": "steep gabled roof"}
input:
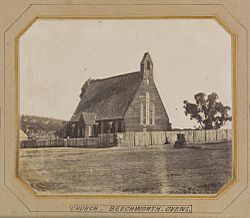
[(109, 98), (89, 118)]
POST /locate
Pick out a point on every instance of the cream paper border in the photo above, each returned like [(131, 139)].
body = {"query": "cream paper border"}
[(201, 204)]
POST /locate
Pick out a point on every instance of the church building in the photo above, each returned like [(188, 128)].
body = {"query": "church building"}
[(124, 103)]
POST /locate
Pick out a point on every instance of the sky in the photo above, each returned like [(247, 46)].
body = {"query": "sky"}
[(57, 56)]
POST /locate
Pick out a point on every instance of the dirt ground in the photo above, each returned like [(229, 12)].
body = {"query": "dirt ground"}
[(202, 169)]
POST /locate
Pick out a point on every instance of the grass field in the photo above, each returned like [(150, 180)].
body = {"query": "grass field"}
[(161, 169)]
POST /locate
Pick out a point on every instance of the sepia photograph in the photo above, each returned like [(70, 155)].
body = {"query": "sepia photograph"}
[(126, 106)]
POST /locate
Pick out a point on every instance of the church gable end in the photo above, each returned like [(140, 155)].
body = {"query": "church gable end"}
[(146, 111)]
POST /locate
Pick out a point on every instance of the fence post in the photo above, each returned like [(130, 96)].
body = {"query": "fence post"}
[(165, 136), (193, 135), (151, 138), (134, 138)]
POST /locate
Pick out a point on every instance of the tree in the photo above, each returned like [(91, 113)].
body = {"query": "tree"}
[(209, 112)]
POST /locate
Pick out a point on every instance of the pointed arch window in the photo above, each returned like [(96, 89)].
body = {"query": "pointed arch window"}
[(148, 65), (147, 108), (153, 114), (141, 114)]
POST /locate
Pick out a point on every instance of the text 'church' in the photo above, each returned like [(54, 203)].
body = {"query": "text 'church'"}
[(123, 103)]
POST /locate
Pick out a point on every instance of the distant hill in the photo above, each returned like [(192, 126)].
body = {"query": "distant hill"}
[(41, 127)]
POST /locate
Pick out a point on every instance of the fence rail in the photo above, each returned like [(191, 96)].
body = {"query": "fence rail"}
[(159, 138), (102, 141), (131, 139)]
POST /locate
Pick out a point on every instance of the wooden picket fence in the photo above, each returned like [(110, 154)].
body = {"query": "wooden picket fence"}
[(102, 141), (132, 139), (159, 138)]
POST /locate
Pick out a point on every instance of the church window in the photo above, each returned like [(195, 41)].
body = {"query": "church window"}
[(141, 114), (153, 114), (147, 81), (148, 65), (147, 108), (90, 131)]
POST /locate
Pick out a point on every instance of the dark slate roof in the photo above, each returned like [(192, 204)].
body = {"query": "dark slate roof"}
[(89, 118), (109, 98)]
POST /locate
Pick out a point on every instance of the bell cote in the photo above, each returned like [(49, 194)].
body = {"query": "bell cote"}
[(147, 66)]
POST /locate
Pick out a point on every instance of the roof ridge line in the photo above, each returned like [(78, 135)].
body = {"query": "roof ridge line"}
[(112, 77)]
